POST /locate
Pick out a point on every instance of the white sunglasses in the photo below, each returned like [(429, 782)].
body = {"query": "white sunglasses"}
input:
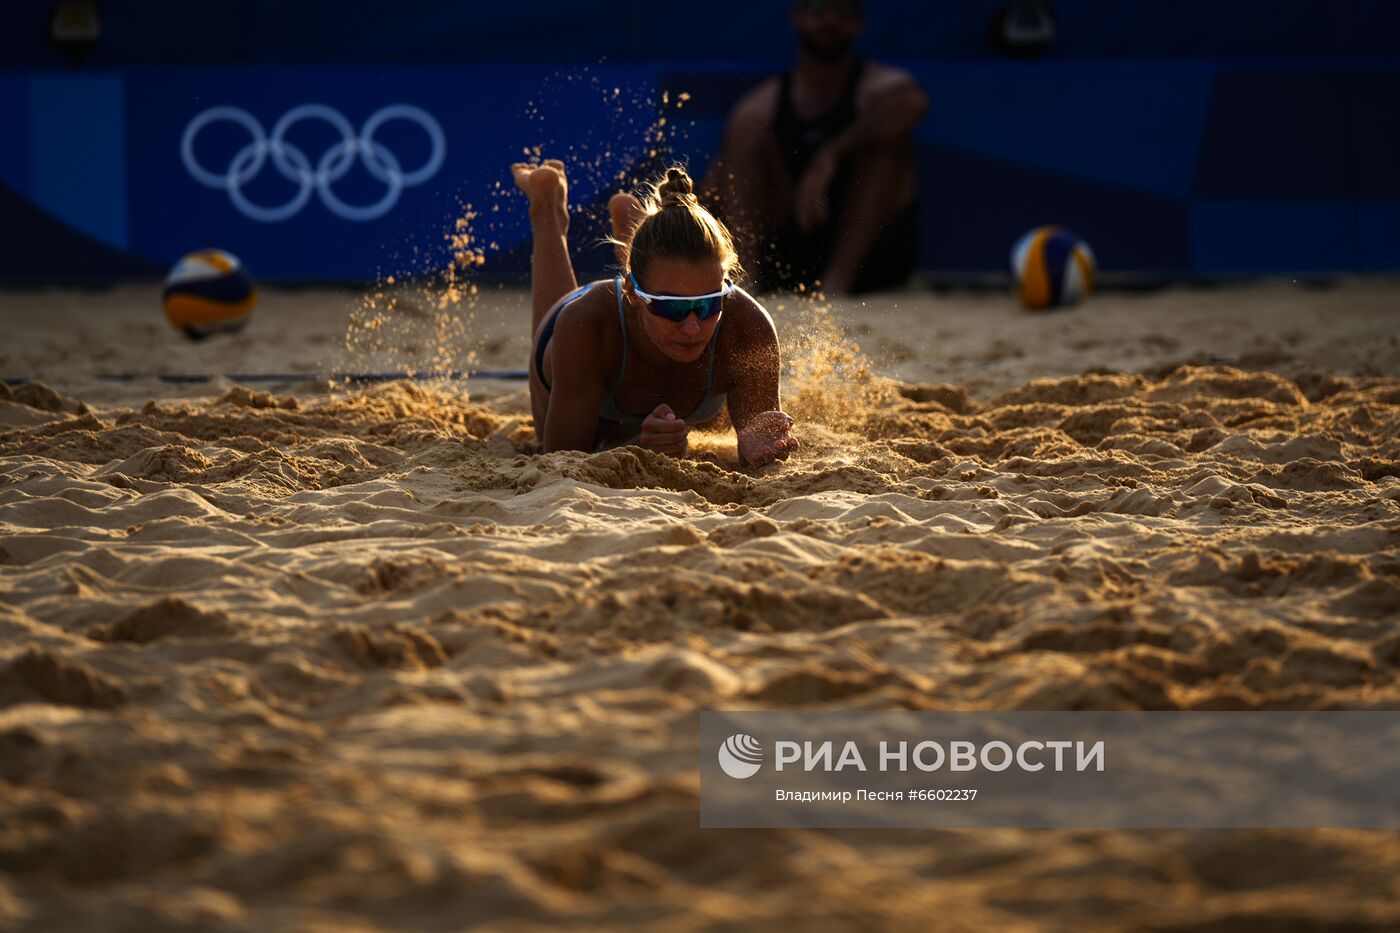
[(676, 308)]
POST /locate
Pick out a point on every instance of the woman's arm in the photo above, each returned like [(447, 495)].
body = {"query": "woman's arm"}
[(577, 394), (762, 428)]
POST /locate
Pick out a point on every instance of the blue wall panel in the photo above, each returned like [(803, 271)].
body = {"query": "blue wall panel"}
[(14, 113), (1276, 134), (486, 118), (1169, 170), (1378, 236), (77, 148), (973, 209), (1131, 126), (1230, 238)]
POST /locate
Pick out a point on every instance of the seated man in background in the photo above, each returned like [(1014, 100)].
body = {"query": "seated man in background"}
[(815, 174)]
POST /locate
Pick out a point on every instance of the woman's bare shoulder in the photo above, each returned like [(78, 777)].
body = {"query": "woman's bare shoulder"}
[(594, 311), (586, 330), (746, 317)]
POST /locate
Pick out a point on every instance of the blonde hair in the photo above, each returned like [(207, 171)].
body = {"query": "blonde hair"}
[(677, 227)]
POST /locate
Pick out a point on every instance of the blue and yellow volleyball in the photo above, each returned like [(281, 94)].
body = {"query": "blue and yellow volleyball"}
[(209, 292), (1053, 269)]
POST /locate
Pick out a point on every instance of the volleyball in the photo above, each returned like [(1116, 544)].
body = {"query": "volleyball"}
[(1053, 269), (209, 292)]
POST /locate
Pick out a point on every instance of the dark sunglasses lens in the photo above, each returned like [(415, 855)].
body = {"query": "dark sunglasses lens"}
[(677, 309)]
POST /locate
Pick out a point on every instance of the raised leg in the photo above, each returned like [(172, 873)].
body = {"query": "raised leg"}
[(551, 270), (882, 184), (625, 212)]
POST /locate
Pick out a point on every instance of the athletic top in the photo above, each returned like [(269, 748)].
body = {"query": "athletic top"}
[(799, 139), (709, 406)]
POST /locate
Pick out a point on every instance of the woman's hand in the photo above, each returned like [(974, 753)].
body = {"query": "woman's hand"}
[(663, 432), (766, 438)]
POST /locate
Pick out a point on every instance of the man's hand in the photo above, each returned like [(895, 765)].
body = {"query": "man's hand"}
[(767, 437), (812, 201), (663, 432)]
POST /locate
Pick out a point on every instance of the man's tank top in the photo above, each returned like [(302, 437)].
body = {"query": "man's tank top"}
[(798, 139)]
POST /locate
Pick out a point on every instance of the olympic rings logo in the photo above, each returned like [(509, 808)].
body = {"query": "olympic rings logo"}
[(293, 164)]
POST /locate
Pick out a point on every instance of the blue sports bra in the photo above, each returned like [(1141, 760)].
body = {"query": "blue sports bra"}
[(710, 406)]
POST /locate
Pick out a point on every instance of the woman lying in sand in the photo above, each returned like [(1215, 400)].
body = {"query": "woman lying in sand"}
[(650, 339)]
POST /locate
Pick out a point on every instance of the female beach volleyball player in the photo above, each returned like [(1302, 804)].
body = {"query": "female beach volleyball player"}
[(641, 358)]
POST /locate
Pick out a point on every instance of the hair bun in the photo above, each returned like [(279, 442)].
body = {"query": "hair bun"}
[(676, 226), (677, 188)]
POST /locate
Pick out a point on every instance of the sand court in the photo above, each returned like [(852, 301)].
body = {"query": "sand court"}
[(293, 655)]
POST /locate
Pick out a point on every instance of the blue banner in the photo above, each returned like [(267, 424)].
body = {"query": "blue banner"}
[(347, 173), (336, 173)]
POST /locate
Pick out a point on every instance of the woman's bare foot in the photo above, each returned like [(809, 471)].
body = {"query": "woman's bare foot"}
[(548, 191), (626, 212)]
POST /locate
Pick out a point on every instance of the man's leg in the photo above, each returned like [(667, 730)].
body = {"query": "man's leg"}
[(747, 187), (881, 186)]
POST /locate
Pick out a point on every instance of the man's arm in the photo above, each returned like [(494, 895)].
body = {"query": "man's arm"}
[(890, 106)]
